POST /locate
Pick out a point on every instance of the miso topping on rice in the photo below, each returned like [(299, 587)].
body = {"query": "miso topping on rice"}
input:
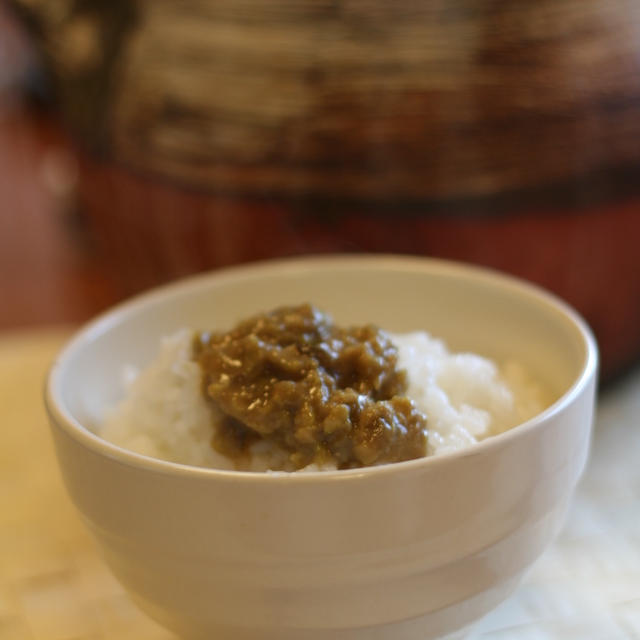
[(289, 390)]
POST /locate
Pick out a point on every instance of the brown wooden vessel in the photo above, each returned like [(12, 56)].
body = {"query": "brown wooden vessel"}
[(506, 134)]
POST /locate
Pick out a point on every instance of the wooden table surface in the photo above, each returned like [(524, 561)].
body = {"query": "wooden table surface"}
[(54, 586)]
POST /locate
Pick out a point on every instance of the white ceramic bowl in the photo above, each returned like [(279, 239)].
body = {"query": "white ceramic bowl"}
[(401, 552)]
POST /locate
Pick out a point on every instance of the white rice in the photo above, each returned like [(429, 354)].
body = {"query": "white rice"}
[(465, 397)]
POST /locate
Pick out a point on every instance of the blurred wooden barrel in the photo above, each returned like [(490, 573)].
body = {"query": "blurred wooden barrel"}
[(499, 133)]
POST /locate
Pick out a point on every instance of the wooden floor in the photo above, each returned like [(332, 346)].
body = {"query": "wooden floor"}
[(48, 273)]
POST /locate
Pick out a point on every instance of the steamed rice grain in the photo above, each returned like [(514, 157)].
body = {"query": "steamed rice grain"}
[(465, 397)]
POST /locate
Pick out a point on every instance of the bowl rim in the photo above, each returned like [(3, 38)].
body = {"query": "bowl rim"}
[(62, 418)]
